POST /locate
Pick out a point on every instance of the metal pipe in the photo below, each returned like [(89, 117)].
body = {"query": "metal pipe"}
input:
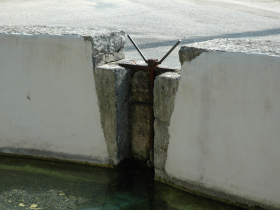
[(169, 52), (137, 49)]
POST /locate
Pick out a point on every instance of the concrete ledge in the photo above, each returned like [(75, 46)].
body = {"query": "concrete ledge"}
[(245, 45), (249, 46)]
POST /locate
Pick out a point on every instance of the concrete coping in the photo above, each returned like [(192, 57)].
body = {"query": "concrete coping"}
[(246, 45), (55, 30), (103, 40)]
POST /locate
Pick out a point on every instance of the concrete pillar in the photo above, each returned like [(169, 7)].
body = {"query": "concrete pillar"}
[(112, 86), (165, 89)]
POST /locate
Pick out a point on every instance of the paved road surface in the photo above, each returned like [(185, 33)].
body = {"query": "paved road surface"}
[(155, 25)]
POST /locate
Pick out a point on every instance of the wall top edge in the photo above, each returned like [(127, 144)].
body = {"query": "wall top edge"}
[(245, 45), (58, 30)]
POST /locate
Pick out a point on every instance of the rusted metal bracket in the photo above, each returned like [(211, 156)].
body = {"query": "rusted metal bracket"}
[(137, 49), (145, 67), (152, 67), (157, 62)]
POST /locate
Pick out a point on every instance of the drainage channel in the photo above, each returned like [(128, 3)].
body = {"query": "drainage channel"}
[(40, 184), (152, 68)]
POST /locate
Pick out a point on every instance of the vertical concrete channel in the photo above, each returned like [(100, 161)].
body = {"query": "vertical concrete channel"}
[(125, 123), (140, 116), (122, 95)]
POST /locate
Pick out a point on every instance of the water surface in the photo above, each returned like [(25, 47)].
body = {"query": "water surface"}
[(37, 184)]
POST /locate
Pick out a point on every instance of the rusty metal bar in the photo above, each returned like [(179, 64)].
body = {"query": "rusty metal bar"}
[(162, 70), (133, 66), (169, 52), (137, 49), (145, 67)]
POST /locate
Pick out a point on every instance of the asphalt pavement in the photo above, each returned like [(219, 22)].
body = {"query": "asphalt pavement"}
[(154, 25)]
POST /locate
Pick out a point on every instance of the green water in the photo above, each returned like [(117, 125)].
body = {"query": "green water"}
[(36, 184)]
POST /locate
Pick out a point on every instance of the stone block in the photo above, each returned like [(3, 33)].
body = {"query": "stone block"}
[(165, 89), (112, 85)]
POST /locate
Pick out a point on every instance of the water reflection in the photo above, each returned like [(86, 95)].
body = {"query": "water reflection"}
[(36, 184)]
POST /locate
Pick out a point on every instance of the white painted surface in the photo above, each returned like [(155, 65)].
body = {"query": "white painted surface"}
[(224, 131), (48, 97)]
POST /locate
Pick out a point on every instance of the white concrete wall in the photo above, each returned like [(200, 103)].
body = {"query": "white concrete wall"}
[(225, 128), (48, 101)]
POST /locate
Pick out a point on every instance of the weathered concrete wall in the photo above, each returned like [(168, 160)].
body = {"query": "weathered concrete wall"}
[(49, 104), (112, 85), (165, 89), (224, 131), (107, 46)]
